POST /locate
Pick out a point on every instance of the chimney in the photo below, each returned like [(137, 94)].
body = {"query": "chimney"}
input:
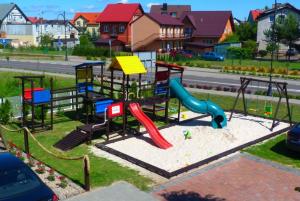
[(276, 5), (165, 7)]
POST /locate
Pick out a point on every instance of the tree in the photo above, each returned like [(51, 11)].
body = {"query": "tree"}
[(272, 38), (232, 38), (46, 40), (289, 31), (5, 112), (246, 31), (85, 41)]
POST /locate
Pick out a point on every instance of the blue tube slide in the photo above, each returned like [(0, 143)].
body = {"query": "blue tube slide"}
[(219, 119)]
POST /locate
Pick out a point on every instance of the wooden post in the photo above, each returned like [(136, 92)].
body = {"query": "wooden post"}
[(32, 105), (26, 141), (87, 185), (51, 104)]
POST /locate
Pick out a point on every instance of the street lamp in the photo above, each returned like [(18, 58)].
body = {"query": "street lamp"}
[(65, 24), (269, 93)]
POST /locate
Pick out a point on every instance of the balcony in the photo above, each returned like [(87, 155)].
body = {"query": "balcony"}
[(166, 36)]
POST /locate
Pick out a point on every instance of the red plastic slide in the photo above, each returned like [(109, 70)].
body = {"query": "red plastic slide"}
[(154, 133)]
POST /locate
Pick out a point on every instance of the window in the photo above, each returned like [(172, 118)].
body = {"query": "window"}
[(173, 14), (121, 28), (78, 23), (271, 18), (105, 28)]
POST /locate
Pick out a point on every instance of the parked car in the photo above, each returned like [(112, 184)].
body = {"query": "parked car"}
[(293, 138), (18, 182), (212, 56), (291, 52)]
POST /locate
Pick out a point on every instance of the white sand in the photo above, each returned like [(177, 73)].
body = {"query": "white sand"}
[(205, 142)]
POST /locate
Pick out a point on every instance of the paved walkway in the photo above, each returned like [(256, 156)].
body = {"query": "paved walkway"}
[(121, 191), (242, 177)]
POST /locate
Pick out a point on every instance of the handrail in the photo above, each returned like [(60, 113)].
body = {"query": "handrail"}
[(146, 41)]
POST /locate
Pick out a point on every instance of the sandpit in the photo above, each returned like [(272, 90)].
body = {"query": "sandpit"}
[(206, 141)]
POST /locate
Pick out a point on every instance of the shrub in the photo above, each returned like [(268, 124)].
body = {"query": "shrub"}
[(39, 113), (192, 86), (226, 89), (5, 112), (198, 86), (218, 88), (262, 53)]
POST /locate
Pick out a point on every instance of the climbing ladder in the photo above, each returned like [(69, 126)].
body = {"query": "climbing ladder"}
[(2, 145), (75, 138)]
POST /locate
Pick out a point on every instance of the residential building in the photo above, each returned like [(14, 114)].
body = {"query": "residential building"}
[(27, 31), (156, 32), (173, 10), (55, 29), (14, 25), (267, 18), (115, 21), (253, 15), (204, 29), (86, 21)]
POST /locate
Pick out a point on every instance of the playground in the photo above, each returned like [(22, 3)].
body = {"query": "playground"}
[(147, 118)]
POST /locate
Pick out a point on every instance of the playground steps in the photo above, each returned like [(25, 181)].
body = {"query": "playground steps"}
[(72, 140), (2, 145)]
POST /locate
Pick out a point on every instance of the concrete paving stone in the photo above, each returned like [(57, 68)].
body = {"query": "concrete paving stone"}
[(121, 191)]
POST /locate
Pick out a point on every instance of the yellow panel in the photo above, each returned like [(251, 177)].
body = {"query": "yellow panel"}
[(129, 65), (81, 73)]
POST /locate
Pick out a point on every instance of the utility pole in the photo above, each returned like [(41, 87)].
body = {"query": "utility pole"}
[(65, 42), (269, 93)]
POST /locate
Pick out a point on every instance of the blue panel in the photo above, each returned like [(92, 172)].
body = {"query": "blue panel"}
[(161, 89), (41, 96), (82, 86), (101, 106)]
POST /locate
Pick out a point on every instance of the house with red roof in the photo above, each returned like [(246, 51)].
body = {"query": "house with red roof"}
[(115, 25), (157, 32), (253, 15), (86, 21), (35, 20), (204, 29)]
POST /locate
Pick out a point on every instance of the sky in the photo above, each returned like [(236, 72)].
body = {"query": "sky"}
[(50, 9)]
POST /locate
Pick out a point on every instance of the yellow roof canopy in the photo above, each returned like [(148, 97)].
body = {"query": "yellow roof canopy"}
[(129, 65)]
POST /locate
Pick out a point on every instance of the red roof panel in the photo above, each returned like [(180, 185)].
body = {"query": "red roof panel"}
[(209, 23), (90, 17), (119, 12), (255, 14)]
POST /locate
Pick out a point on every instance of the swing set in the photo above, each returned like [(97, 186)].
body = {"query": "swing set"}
[(268, 106)]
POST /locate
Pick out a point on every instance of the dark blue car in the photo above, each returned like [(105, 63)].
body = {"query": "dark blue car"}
[(293, 138), (19, 183), (212, 56)]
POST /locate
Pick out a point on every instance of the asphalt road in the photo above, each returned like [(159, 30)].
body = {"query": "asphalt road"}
[(191, 76)]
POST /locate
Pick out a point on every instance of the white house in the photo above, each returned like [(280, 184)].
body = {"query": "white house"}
[(266, 19), (26, 31), (15, 25), (56, 29)]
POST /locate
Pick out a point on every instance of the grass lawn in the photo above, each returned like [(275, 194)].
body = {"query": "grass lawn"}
[(10, 86), (276, 150), (103, 171)]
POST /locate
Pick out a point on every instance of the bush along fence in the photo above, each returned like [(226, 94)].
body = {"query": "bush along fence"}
[(28, 135), (262, 71)]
